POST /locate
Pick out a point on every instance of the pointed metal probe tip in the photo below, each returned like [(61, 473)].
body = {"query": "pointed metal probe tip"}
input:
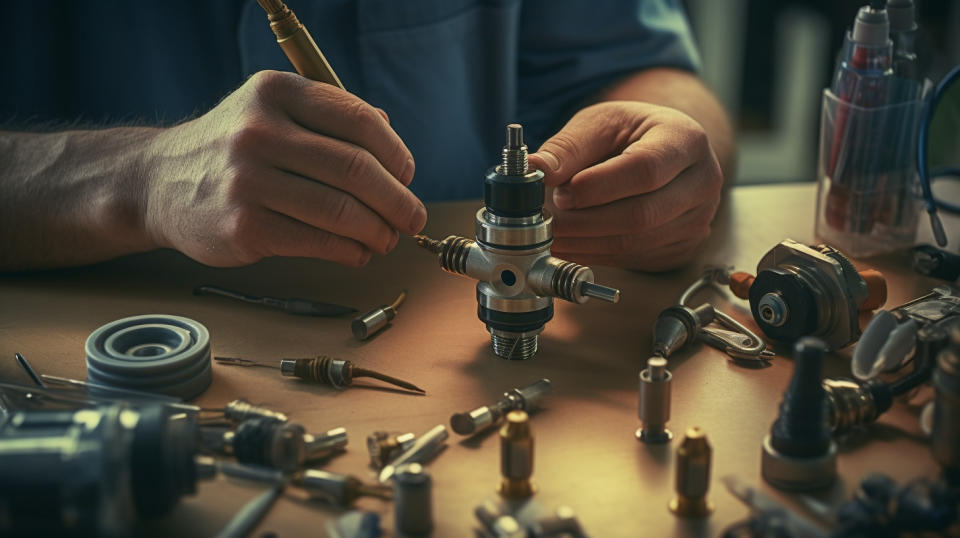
[(430, 244), (363, 372)]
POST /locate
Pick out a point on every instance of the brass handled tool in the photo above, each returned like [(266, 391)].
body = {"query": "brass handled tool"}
[(336, 373), (298, 44)]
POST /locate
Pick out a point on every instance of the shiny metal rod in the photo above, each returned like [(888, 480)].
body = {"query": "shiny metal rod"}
[(599, 291)]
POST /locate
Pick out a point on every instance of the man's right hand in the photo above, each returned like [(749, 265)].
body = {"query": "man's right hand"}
[(283, 166)]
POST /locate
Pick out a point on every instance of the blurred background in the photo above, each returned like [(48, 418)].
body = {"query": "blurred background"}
[(768, 61)]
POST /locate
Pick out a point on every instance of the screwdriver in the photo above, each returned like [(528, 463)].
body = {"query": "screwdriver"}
[(336, 373)]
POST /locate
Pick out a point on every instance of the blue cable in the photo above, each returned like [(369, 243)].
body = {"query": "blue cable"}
[(923, 136)]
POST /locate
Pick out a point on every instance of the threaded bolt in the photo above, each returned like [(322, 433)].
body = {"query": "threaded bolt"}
[(514, 153)]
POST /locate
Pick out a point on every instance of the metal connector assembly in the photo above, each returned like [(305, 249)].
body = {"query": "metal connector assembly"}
[(525, 399), (510, 257), (654, 408)]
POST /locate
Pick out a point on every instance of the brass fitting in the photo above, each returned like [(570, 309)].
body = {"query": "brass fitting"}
[(693, 476), (516, 457)]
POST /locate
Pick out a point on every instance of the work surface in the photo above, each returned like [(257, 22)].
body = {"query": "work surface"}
[(586, 453)]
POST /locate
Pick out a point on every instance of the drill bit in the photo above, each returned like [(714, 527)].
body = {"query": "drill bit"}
[(336, 373)]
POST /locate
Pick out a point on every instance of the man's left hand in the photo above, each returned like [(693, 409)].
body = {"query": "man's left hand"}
[(635, 185)]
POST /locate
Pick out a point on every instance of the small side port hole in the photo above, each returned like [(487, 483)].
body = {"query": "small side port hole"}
[(508, 278)]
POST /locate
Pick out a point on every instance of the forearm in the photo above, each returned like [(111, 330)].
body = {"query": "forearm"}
[(73, 197), (685, 92)]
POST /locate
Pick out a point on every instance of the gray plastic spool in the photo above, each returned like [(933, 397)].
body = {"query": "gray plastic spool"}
[(156, 353)]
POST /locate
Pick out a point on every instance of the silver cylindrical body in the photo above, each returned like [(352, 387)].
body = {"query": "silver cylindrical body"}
[(330, 487), (423, 449), (654, 406), (372, 322), (413, 500)]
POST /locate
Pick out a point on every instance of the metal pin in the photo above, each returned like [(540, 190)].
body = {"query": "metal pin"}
[(525, 399), (516, 457), (385, 446), (599, 291), (693, 476), (30, 372), (426, 447), (321, 446), (241, 410), (338, 489)]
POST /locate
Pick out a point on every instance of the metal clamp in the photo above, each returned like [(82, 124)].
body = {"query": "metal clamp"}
[(736, 340)]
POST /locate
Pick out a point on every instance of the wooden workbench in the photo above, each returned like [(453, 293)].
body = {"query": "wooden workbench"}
[(586, 453)]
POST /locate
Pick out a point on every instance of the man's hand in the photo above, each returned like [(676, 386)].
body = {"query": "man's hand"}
[(282, 167), (635, 185)]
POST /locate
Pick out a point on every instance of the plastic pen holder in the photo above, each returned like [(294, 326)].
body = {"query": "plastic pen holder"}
[(868, 192)]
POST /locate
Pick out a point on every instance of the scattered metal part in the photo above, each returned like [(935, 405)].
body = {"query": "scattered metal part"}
[(769, 518), (798, 454), (413, 500), (300, 307), (851, 404), (891, 336), (338, 489), (654, 406), (805, 290), (243, 523), (934, 262), (377, 319), (93, 471), (510, 257), (281, 445), (336, 373), (694, 457), (678, 325), (118, 392), (423, 449), (681, 324), (355, 524), (29, 369), (516, 457), (498, 525), (240, 410), (525, 399), (563, 523), (385, 446), (881, 507)]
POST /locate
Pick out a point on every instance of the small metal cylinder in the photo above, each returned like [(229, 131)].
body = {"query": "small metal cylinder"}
[(472, 422), (413, 501), (654, 406), (240, 410), (516, 457), (422, 450), (693, 476), (372, 322), (385, 446), (531, 395)]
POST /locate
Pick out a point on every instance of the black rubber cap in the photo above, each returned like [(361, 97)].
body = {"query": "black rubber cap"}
[(515, 321), (513, 196), (802, 319)]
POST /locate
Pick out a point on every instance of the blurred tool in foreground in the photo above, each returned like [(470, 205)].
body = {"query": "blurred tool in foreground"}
[(298, 44)]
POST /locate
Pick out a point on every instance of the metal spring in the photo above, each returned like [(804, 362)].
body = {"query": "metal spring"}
[(453, 258), (320, 370), (564, 280)]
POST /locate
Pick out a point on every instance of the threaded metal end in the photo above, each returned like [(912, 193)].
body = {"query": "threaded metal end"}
[(514, 346), (514, 153), (565, 282), (453, 256)]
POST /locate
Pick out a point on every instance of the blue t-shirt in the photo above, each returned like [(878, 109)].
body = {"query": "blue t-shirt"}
[(450, 73)]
